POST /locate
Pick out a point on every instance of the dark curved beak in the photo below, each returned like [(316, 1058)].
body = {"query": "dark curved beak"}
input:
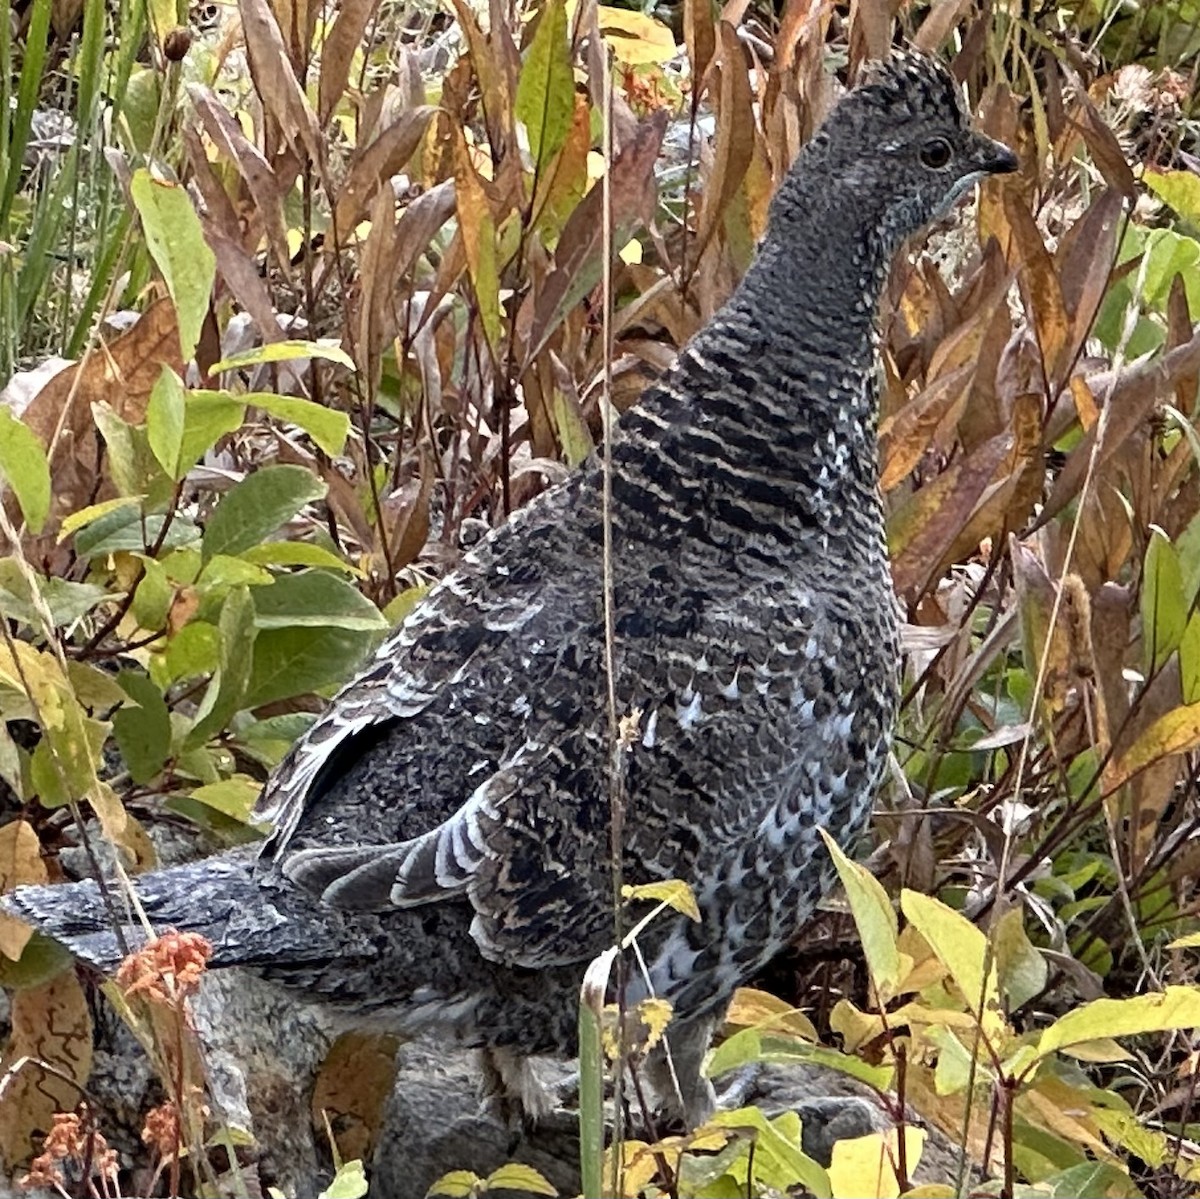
[(992, 157)]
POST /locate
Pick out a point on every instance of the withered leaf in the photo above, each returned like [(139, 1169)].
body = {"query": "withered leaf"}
[(352, 1087), (50, 1024), (20, 863)]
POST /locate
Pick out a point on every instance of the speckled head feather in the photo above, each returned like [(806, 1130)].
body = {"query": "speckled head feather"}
[(895, 152), (441, 854)]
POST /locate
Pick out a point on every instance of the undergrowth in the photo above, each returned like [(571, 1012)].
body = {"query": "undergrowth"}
[(296, 299)]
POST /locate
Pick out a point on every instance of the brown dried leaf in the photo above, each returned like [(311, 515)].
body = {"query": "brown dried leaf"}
[(1084, 262), (699, 36), (942, 20), (1036, 598), (20, 863), (1175, 732), (1179, 330), (261, 182), (352, 1088), (274, 73), (337, 53), (377, 290), (497, 80), (735, 136), (578, 258), (1106, 150), (922, 531), (50, 1024), (871, 29), (1132, 395), (905, 436), (407, 516), (1039, 284), (120, 373), (373, 165)]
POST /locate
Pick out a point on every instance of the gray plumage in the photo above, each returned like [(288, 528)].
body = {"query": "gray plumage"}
[(440, 856)]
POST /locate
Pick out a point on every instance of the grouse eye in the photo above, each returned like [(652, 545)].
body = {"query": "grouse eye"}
[(935, 153)]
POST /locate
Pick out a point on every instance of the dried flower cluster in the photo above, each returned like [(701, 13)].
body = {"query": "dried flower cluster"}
[(167, 969), (72, 1141)]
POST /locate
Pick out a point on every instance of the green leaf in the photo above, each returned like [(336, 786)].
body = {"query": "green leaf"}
[(545, 100), (780, 1150), (41, 960), (295, 661), (207, 417), (573, 434), (1189, 660), (1164, 610), (1101, 1180), (124, 529), (398, 608), (1021, 968), (85, 516), (257, 506), (154, 595), (222, 572), (233, 797), (326, 426), (874, 917), (1174, 1008), (350, 1182), (1179, 189), (227, 691), (143, 733), (316, 599), (67, 601), (194, 650), (297, 553), (752, 1046), (962, 949), (284, 351), (131, 462), (177, 245), (223, 808), (166, 415), (1169, 254), (24, 468)]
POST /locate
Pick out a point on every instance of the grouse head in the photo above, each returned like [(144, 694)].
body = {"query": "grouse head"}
[(895, 153)]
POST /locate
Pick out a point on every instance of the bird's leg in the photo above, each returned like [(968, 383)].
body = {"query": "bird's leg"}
[(510, 1091), (674, 1069)]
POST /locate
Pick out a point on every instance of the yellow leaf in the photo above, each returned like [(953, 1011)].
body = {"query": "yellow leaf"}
[(874, 917), (20, 863), (458, 1184), (758, 1009), (635, 38), (516, 1177), (1174, 1008), (1102, 1049), (1176, 732), (654, 1015), (672, 892), (866, 1165), (638, 1167), (963, 950)]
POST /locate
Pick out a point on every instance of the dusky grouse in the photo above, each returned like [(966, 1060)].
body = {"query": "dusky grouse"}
[(440, 857)]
